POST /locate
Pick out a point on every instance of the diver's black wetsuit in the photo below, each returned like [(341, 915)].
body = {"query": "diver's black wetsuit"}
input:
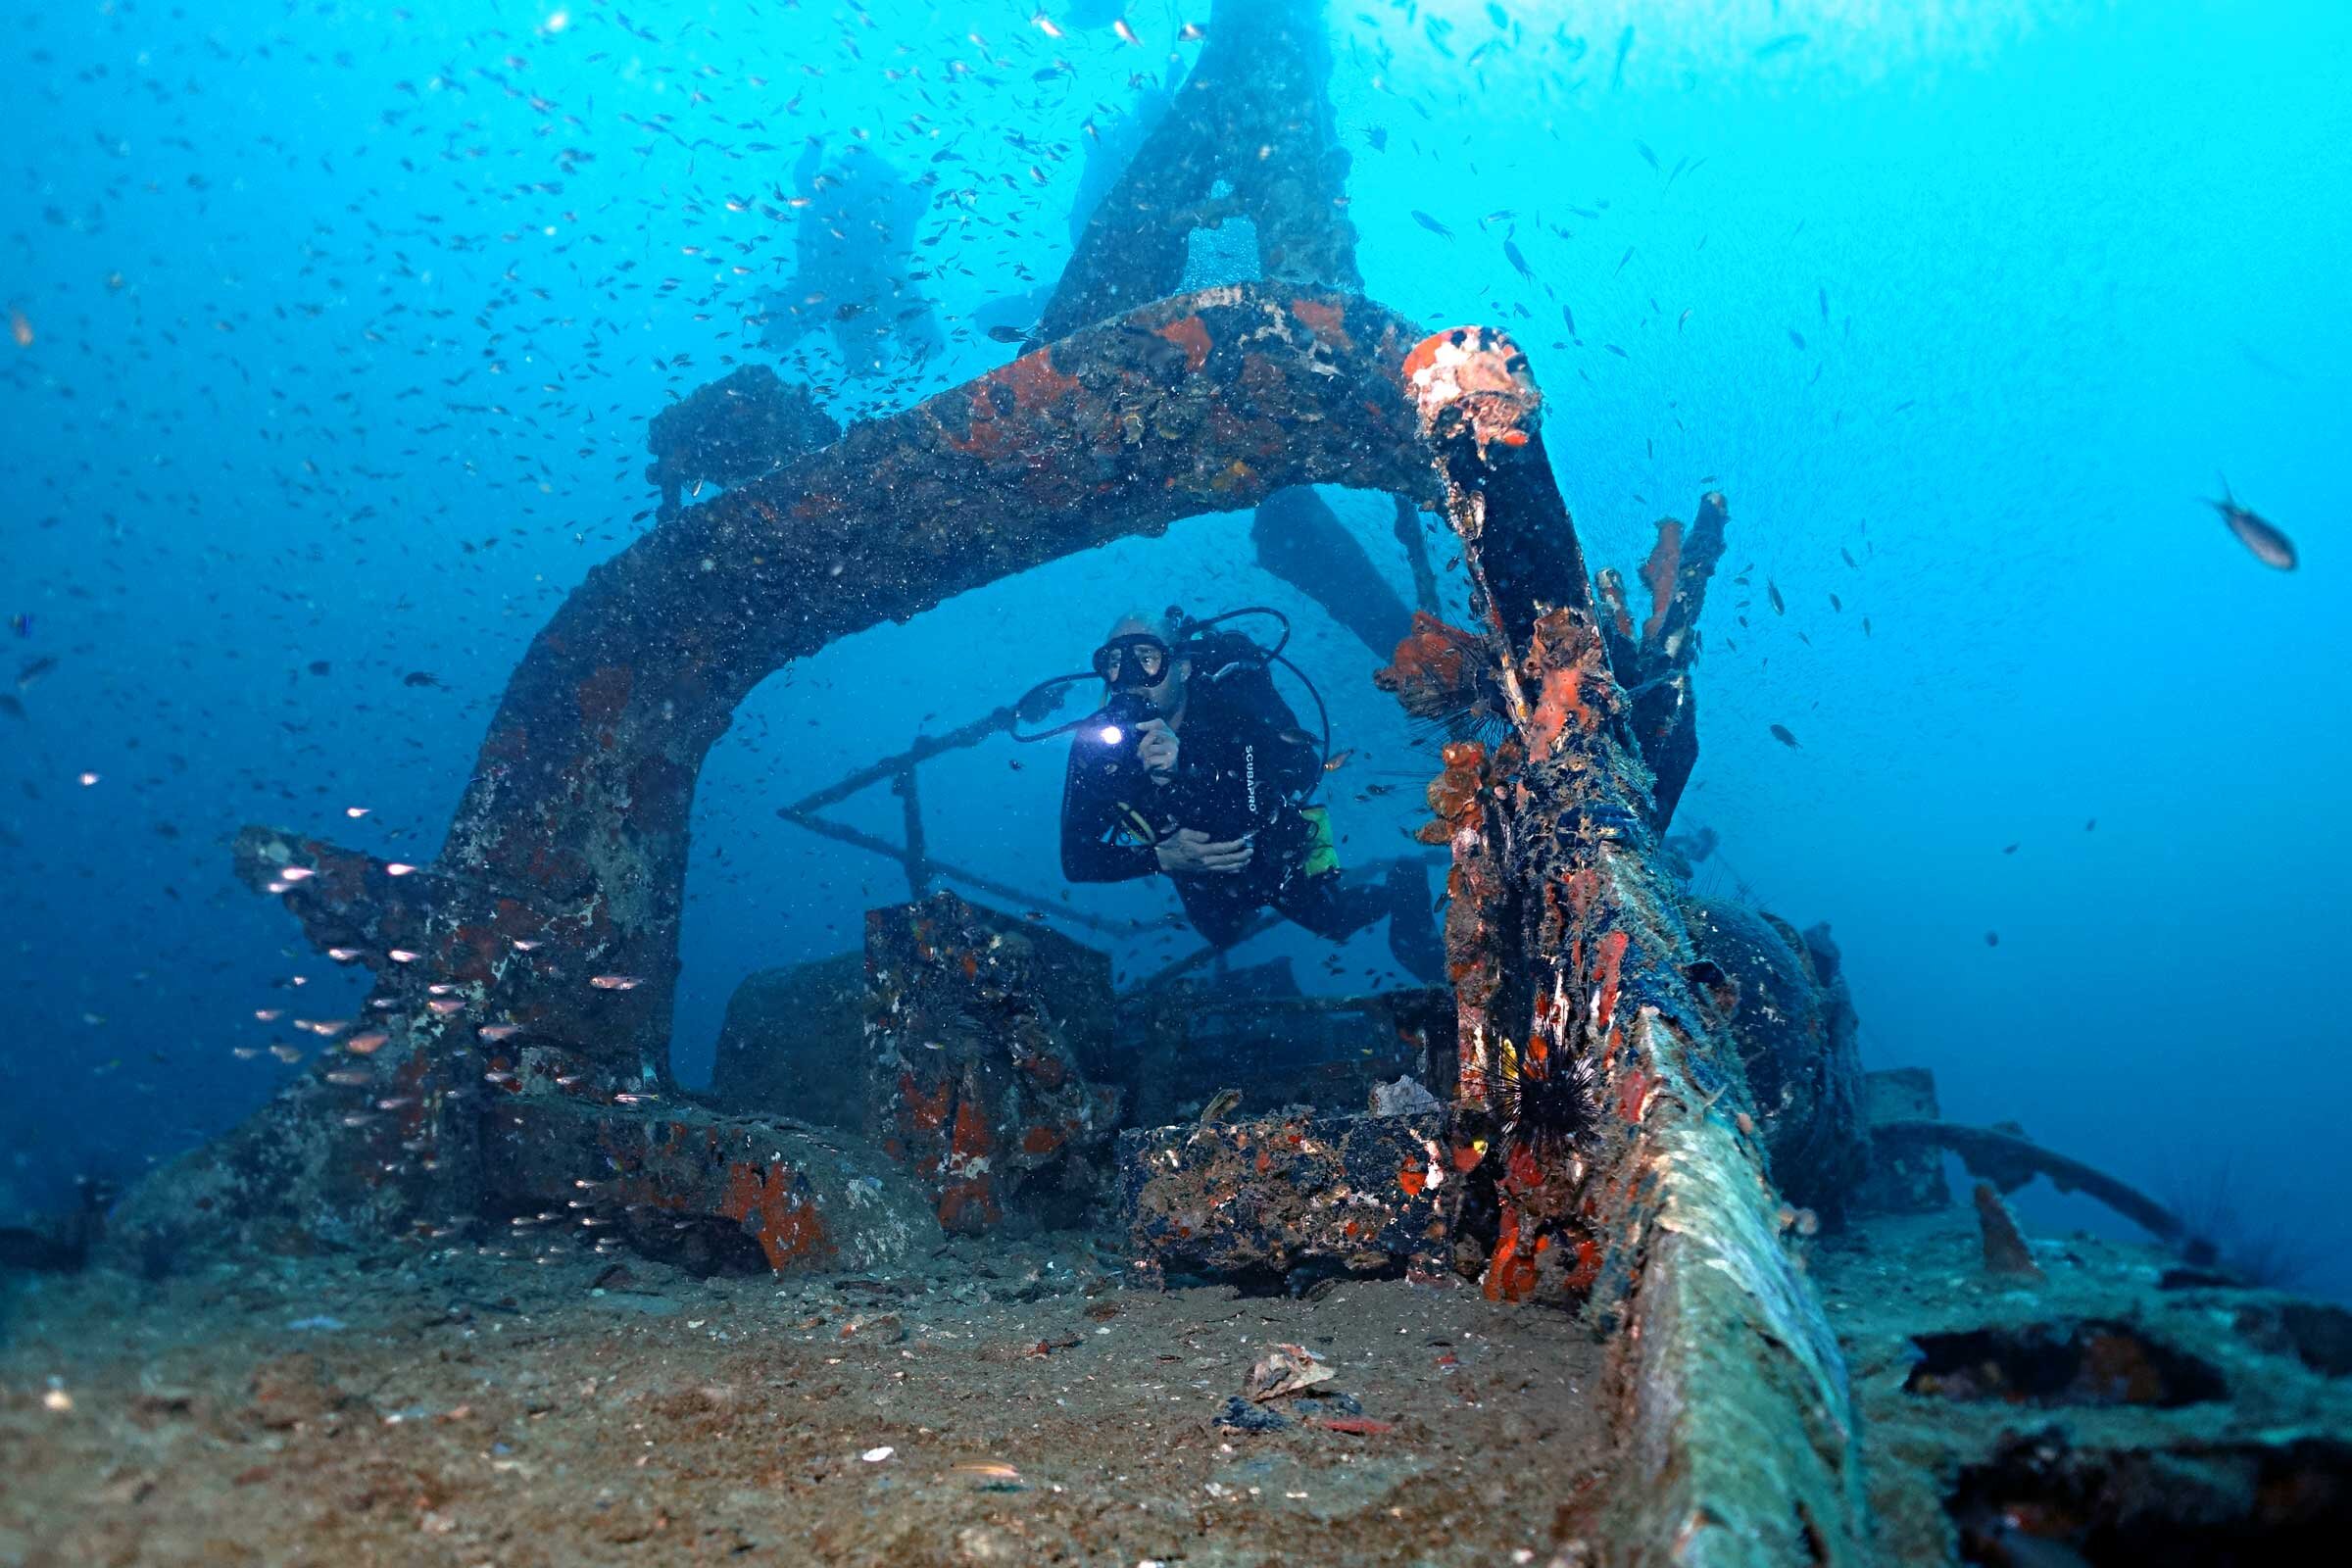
[(1243, 763)]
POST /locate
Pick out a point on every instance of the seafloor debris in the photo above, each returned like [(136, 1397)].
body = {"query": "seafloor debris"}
[(1285, 1369), (1287, 1201), (2005, 1249)]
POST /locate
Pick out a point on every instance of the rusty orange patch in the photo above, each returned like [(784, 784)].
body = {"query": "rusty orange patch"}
[(787, 1230), (1510, 1273), (927, 1112), (1006, 399), (1665, 563), (603, 695), (1328, 322), (1191, 336)]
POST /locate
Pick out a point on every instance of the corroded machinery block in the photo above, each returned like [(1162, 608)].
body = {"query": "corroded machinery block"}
[(978, 1025), (794, 1042), (703, 1188), (1266, 1202), (1905, 1178), (1785, 1003), (1184, 1040)]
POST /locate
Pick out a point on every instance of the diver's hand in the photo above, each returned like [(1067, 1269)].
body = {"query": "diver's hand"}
[(1190, 851), (1156, 750)]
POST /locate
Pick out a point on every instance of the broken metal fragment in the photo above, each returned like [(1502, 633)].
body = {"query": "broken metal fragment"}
[(2005, 1249)]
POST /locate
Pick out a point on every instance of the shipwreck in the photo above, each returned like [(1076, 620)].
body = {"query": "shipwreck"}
[(1646, 1104)]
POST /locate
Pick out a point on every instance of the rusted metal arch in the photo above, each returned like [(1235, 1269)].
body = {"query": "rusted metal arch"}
[(572, 830)]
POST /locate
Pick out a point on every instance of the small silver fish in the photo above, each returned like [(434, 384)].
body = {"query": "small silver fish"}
[(2267, 545)]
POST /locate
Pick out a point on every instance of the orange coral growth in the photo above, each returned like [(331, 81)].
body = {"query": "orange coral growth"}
[(1659, 571), (971, 1138), (1413, 1179), (1453, 794), (787, 1230), (967, 1207), (1434, 672), (1423, 355), (1329, 323), (1574, 686), (1608, 972), (1007, 398), (927, 1112), (1510, 1272), (1633, 1094), (1586, 1270), (1559, 704), (1191, 336)]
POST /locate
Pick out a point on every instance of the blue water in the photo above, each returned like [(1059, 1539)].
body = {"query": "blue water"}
[(344, 322)]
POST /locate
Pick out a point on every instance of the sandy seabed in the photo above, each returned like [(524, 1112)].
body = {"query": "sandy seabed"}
[(1002, 1404)]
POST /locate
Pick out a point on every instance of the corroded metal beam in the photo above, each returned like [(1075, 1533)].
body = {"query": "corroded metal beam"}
[(1604, 1108), (1255, 114), (2010, 1159), (543, 935), (1654, 663)]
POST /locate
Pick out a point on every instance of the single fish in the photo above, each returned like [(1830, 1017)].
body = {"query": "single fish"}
[(1220, 1106), (1784, 738), (989, 1470), (1430, 224), (2269, 546), (1772, 591)]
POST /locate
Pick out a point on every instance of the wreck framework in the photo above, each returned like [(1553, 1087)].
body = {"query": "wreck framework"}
[(529, 1045)]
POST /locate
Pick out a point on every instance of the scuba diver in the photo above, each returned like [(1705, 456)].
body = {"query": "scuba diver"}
[(1196, 769)]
